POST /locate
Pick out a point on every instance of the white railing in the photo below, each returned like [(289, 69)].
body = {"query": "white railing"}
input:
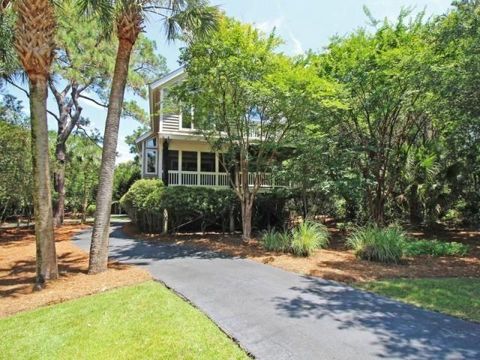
[(223, 179), (194, 178)]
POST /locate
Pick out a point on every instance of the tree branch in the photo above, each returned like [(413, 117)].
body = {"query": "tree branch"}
[(18, 87), (54, 115), (93, 100)]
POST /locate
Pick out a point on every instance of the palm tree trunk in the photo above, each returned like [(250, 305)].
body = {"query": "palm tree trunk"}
[(42, 198), (101, 229), (59, 182)]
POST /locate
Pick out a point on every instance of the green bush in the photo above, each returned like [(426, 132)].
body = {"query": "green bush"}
[(435, 248), (187, 207), (139, 202), (91, 210), (308, 237), (200, 206), (196, 208), (378, 244), (276, 241)]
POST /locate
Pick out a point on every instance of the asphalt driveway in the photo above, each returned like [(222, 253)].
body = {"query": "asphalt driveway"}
[(276, 314)]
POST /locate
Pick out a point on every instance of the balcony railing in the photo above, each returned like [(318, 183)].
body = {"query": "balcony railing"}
[(194, 178)]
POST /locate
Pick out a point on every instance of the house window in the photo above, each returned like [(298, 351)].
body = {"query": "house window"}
[(189, 161), (207, 162), (187, 117), (152, 143), (172, 160), (151, 161)]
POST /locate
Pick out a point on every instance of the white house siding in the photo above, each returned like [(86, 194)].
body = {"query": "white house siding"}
[(170, 123)]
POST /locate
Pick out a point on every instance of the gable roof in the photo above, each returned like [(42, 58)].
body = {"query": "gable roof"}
[(165, 79)]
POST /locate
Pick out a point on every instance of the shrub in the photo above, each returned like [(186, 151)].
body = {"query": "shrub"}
[(189, 206), (308, 237), (91, 210), (435, 248), (378, 244), (141, 204), (276, 241), (193, 208)]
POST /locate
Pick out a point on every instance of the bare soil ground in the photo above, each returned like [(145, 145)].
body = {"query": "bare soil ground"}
[(17, 272), (337, 262)]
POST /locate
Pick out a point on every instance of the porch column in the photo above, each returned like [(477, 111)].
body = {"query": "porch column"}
[(199, 166), (165, 162), (217, 168)]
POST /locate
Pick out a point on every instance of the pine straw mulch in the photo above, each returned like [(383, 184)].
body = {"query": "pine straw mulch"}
[(337, 262), (17, 272)]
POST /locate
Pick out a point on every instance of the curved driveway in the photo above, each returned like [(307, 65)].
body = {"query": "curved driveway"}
[(275, 314)]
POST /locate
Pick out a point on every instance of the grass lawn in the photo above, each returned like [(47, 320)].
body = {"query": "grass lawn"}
[(145, 321), (455, 296)]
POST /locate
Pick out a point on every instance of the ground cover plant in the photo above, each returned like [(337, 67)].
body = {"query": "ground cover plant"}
[(145, 319), (455, 296), (378, 244), (435, 248)]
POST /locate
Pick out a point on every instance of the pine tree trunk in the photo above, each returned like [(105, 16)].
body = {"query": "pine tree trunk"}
[(101, 229), (59, 182), (42, 198)]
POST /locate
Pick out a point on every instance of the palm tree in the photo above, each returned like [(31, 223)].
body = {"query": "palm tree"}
[(180, 17), (34, 43)]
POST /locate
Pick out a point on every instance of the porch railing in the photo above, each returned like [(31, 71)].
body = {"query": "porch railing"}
[(194, 178)]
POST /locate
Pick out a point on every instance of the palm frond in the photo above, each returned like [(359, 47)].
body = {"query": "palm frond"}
[(104, 10)]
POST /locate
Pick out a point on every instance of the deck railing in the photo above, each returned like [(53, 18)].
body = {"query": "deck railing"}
[(194, 178)]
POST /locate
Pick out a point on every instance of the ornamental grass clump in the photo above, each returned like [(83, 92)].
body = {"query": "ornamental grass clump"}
[(373, 243), (276, 241), (308, 237)]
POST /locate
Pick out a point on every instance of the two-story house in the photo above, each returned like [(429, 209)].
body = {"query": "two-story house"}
[(174, 151)]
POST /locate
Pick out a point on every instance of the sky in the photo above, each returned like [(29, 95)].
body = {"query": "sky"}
[(303, 25)]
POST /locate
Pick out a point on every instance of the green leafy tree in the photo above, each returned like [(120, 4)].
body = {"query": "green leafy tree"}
[(246, 99), (383, 79)]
